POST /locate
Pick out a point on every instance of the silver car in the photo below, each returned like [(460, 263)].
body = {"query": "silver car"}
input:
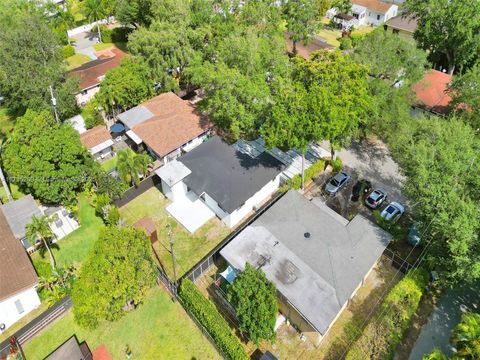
[(336, 183), (375, 199), (393, 212)]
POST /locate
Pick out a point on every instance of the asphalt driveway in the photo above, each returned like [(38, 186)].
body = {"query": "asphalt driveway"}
[(447, 313)]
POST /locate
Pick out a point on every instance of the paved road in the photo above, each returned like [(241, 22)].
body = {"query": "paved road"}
[(447, 313)]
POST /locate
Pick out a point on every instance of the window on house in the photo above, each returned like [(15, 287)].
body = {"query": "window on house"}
[(378, 17), (19, 306), (84, 92), (395, 31)]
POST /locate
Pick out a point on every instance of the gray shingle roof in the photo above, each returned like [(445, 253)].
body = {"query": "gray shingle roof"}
[(227, 175), (19, 214), (317, 274)]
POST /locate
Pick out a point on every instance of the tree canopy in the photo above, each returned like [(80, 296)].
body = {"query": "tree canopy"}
[(117, 273), (46, 158), (254, 298), (449, 30)]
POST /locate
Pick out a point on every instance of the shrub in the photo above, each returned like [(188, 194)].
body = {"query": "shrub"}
[(345, 43), (356, 38), (383, 334), (68, 51), (336, 164), (106, 33), (113, 216), (312, 172), (210, 318), (90, 115), (101, 202)]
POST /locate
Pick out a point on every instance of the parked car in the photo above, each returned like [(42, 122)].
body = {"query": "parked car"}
[(413, 237), (362, 187), (375, 199), (393, 212), (336, 183)]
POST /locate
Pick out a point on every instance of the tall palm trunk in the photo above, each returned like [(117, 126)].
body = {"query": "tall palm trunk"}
[(98, 28), (68, 37), (303, 171), (50, 254), (5, 185)]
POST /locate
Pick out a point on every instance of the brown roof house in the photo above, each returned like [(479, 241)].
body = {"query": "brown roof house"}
[(167, 125), (18, 279), (431, 92), (365, 12), (93, 72), (403, 26), (98, 141)]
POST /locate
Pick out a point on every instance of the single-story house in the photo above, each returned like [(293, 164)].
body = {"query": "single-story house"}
[(19, 214), (98, 142), (167, 125), (431, 92), (316, 258), (18, 279), (218, 179), (366, 12), (93, 72), (403, 26)]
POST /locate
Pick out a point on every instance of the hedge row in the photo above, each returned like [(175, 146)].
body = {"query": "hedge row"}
[(313, 171), (115, 35), (383, 334), (205, 312)]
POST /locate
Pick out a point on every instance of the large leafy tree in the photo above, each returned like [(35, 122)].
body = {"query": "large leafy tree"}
[(30, 61), (254, 298), (303, 18), (46, 158), (132, 166), (39, 229), (338, 94), (116, 275), (465, 91), (449, 30), (466, 337), (134, 12), (125, 86), (95, 10)]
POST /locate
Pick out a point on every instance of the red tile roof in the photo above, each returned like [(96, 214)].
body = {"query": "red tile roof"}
[(16, 270), (431, 91), (175, 122), (89, 74), (95, 136), (101, 353)]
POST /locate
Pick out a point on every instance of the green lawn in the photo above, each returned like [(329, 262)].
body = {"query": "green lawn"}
[(77, 60), (189, 248), (6, 122), (73, 249), (158, 329), (102, 46), (110, 164), (330, 36)]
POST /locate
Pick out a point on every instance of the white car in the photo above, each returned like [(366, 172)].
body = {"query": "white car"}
[(393, 212)]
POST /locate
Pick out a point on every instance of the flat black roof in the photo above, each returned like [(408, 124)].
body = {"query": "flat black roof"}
[(227, 175)]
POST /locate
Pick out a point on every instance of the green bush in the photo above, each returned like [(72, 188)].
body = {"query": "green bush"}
[(336, 164), (356, 38), (106, 33), (383, 334), (120, 34), (312, 172), (345, 43), (212, 320), (68, 51)]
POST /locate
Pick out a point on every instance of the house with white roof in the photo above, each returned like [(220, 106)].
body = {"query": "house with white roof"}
[(365, 12), (316, 258)]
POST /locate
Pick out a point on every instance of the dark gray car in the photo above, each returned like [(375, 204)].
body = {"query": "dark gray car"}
[(336, 183)]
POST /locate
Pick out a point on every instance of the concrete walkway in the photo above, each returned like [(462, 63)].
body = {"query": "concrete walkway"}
[(447, 314)]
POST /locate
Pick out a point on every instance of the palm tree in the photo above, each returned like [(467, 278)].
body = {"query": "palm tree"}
[(466, 336), (131, 166), (94, 10), (39, 229), (65, 19)]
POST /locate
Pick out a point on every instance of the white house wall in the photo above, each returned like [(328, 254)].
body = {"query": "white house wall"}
[(176, 192), (85, 96), (9, 313), (235, 217), (379, 18), (212, 204)]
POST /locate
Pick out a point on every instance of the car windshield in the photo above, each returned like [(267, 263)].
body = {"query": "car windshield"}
[(334, 182), (391, 210)]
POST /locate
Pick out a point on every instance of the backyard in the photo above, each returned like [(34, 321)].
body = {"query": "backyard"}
[(73, 249), (189, 248), (331, 35), (158, 329), (77, 60)]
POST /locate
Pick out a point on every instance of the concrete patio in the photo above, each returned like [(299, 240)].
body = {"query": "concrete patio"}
[(191, 212)]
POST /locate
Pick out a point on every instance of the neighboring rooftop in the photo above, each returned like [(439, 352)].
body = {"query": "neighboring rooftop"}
[(431, 92), (165, 122), (315, 258), (91, 73), (71, 350), (19, 214), (16, 270), (400, 22), (229, 176), (374, 5), (95, 136)]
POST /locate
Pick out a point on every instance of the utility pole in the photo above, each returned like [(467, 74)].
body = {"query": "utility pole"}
[(169, 232), (54, 103)]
